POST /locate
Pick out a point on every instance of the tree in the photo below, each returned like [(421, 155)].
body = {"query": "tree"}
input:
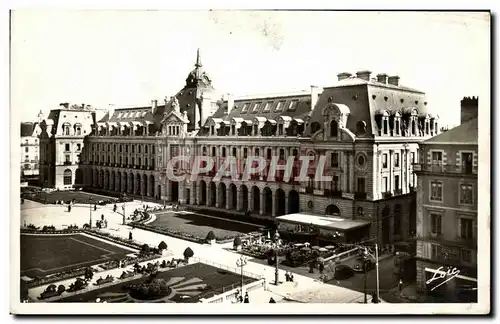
[(211, 236), (188, 253), (237, 241), (145, 249), (162, 246), (61, 289)]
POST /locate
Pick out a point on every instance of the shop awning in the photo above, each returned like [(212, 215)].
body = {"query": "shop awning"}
[(326, 222)]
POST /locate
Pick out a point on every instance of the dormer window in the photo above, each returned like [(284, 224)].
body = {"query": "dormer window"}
[(334, 129), (244, 109), (293, 105), (255, 130), (427, 130), (267, 107), (212, 130), (279, 106), (280, 129), (233, 130), (66, 130), (255, 108), (396, 125), (385, 125)]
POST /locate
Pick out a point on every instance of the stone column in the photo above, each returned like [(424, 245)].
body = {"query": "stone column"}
[(262, 204), (209, 195), (229, 197), (250, 200), (182, 192), (193, 196), (390, 165), (239, 199), (274, 202), (217, 198), (286, 204)]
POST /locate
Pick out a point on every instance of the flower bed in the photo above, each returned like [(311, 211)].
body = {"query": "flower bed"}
[(179, 235)]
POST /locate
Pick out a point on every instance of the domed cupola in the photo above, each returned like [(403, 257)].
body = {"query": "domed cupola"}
[(198, 77)]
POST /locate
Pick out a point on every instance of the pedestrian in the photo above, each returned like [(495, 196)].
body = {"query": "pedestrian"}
[(102, 216), (130, 236), (321, 268), (400, 286), (247, 300), (114, 208), (287, 276), (291, 277), (95, 207)]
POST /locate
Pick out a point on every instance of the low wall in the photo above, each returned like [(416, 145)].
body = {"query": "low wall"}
[(231, 294)]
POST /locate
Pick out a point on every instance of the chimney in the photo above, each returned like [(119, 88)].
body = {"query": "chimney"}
[(382, 78), (468, 109), (230, 103), (154, 106), (111, 110), (394, 80), (364, 75), (315, 92), (343, 75)]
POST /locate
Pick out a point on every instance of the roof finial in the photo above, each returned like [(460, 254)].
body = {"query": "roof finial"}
[(198, 60)]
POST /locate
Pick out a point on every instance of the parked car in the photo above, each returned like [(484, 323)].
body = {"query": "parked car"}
[(358, 264), (343, 272)]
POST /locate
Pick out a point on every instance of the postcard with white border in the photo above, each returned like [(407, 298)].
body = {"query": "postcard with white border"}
[(217, 158)]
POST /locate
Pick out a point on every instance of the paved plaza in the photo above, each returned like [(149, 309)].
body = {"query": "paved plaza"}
[(217, 255)]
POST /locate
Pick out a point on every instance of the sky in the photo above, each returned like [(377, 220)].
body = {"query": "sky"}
[(128, 58)]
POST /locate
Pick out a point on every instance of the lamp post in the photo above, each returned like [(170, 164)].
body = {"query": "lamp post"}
[(123, 216), (90, 212), (241, 262), (364, 269), (375, 257), (276, 270)]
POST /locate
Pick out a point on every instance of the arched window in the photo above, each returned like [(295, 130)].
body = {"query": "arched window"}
[(334, 128), (68, 177)]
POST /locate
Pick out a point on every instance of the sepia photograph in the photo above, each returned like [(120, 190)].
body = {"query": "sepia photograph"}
[(216, 158)]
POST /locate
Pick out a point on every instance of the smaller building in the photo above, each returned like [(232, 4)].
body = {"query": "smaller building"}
[(447, 214), (61, 143), (30, 150)]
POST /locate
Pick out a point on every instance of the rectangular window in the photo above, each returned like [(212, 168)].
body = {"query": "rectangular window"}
[(223, 152), (78, 147), (385, 127), (466, 194), (334, 160), (257, 152), (139, 148), (213, 151), (437, 158), (466, 228), (26, 149), (396, 182), (436, 191), (412, 157), (384, 161), (133, 148), (384, 184), (396, 160), (78, 131), (397, 127), (245, 152), (282, 154), (267, 107), (26, 158), (280, 129), (67, 156), (335, 183), (435, 251), (466, 256), (234, 151), (269, 154), (435, 223), (361, 185), (66, 147)]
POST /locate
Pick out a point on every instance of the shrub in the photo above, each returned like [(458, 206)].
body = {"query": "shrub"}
[(61, 289), (162, 245), (211, 236), (188, 253), (145, 249), (237, 241)]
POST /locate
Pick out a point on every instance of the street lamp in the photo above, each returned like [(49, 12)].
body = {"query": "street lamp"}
[(124, 201), (90, 210), (241, 262), (276, 271)]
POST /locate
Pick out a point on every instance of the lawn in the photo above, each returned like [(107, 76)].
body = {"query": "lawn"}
[(199, 225), (79, 196), (189, 284), (43, 255)]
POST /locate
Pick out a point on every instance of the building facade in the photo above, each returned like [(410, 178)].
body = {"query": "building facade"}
[(447, 212), (61, 143), (30, 150), (367, 128)]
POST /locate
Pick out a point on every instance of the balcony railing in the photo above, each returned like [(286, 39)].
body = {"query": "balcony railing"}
[(398, 192), (360, 195), (67, 163), (333, 193), (444, 168)]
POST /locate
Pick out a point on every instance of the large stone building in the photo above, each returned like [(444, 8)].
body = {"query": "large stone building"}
[(447, 209), (367, 128), (61, 143), (30, 149)]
